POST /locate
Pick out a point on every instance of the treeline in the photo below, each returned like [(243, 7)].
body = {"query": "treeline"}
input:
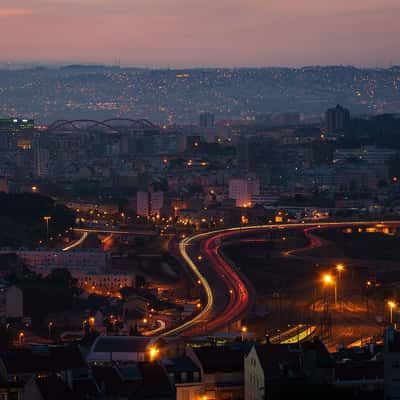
[(21, 216)]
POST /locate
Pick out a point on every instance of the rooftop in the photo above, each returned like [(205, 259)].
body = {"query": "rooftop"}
[(121, 344)]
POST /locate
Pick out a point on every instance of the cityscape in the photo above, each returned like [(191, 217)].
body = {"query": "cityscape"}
[(198, 233)]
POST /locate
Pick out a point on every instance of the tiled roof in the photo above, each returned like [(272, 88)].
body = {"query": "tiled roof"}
[(220, 359), (51, 359), (111, 382), (121, 344), (351, 371), (155, 380), (52, 388), (323, 358), (181, 364), (273, 356)]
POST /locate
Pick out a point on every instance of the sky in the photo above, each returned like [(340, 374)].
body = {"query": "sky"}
[(201, 33)]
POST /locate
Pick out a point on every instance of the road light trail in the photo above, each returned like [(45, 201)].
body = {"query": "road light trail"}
[(295, 334), (161, 326), (76, 243), (206, 287), (237, 290)]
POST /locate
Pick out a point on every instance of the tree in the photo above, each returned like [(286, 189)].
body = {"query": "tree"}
[(62, 277)]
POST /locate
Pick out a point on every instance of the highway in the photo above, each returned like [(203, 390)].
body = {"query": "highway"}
[(295, 334), (227, 293), (138, 232), (76, 243)]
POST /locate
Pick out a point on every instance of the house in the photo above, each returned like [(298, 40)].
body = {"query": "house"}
[(46, 372), (360, 376), (144, 380), (107, 349), (221, 372), (391, 360), (185, 375), (266, 365), (316, 362), (23, 389)]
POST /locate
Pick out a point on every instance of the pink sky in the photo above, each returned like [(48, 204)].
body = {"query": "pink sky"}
[(201, 32)]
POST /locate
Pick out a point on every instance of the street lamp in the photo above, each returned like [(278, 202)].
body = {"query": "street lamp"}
[(340, 268), (391, 305), (243, 332), (154, 352), (328, 280), (50, 325), (46, 219), (21, 337)]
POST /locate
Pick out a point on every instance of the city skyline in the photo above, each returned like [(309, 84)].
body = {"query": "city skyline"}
[(176, 33)]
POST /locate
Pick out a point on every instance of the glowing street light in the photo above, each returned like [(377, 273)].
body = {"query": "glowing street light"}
[(340, 269), (21, 337), (243, 332), (328, 280), (154, 352), (391, 305)]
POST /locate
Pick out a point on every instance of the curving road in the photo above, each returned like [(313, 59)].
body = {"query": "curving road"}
[(228, 294)]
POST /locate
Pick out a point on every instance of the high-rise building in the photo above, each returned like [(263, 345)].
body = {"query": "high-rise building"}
[(15, 124), (242, 190), (336, 118), (149, 203), (206, 120), (41, 159)]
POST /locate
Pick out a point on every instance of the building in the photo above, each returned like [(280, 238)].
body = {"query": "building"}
[(336, 118), (206, 120), (104, 283), (11, 302), (41, 160), (144, 380), (264, 366), (242, 190), (269, 368), (149, 203), (360, 376), (43, 261), (39, 372), (391, 364), (108, 349), (366, 154), (221, 371), (14, 125)]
